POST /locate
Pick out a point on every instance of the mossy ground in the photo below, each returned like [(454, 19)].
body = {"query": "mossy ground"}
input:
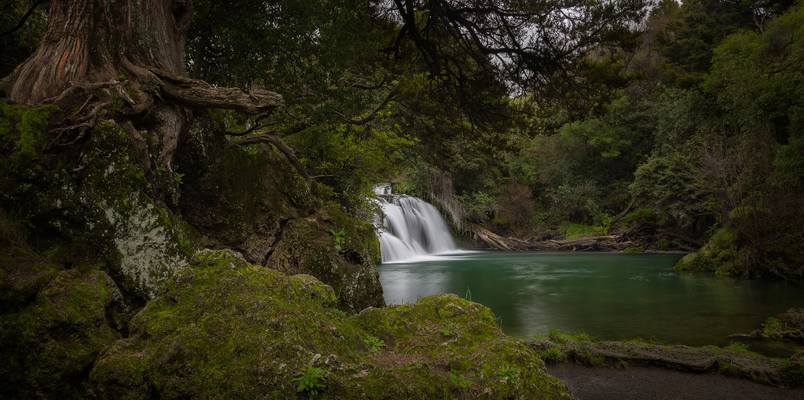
[(229, 329)]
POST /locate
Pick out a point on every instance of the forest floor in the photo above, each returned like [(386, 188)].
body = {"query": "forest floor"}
[(652, 383)]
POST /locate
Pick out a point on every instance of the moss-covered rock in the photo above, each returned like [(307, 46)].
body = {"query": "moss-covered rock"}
[(95, 200), (240, 198), (788, 325), (55, 323), (251, 200), (149, 242), (225, 328), (720, 255), (336, 249), (22, 275)]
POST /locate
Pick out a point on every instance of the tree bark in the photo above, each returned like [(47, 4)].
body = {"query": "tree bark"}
[(89, 40), (101, 51)]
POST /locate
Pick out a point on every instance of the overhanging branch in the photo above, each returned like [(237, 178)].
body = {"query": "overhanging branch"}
[(279, 145)]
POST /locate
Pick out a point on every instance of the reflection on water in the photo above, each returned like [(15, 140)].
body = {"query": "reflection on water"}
[(611, 296)]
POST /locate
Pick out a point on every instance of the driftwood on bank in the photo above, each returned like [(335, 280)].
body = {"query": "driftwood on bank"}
[(706, 359), (589, 243)]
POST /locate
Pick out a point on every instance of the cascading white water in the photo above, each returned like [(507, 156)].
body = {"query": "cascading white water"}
[(410, 228)]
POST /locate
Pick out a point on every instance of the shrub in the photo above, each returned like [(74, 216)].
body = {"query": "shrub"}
[(311, 381), (374, 343)]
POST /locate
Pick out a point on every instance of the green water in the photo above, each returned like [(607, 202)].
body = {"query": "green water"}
[(610, 296)]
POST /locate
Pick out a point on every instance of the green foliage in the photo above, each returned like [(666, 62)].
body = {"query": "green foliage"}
[(553, 354), (508, 373), (23, 131), (720, 255), (561, 337), (576, 231), (460, 381), (696, 29), (339, 236), (479, 206), (772, 327), (311, 382), (18, 44), (738, 347), (633, 250), (374, 343)]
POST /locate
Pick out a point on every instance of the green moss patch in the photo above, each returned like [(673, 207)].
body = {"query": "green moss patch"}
[(229, 329), (50, 345), (720, 255)]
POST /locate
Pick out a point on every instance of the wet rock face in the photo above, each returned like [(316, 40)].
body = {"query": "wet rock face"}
[(100, 200), (147, 240), (306, 247), (225, 328), (255, 203)]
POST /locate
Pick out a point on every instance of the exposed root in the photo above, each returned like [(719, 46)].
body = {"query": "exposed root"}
[(75, 87), (80, 128), (199, 94)]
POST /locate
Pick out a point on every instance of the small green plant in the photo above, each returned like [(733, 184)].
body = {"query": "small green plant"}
[(446, 332), (468, 295), (772, 328), (460, 381), (633, 250), (311, 381), (562, 337), (738, 347), (508, 373), (374, 343), (552, 355), (339, 235), (178, 178)]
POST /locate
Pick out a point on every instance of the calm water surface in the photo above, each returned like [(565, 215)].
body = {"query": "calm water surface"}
[(610, 296)]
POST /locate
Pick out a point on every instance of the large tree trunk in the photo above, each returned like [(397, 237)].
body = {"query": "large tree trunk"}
[(98, 52), (93, 41)]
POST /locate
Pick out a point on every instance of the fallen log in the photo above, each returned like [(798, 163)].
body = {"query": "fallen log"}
[(589, 243)]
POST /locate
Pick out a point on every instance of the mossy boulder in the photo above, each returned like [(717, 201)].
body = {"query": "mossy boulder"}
[(336, 249), (148, 241), (225, 328), (720, 255), (54, 324), (99, 199), (251, 200), (239, 198), (22, 275), (788, 326)]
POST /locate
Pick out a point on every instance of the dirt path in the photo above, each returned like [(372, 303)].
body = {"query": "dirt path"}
[(646, 383)]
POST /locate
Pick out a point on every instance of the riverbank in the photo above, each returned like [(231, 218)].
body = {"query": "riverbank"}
[(652, 383), (594, 369)]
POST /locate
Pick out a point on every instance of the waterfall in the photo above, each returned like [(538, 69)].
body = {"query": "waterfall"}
[(410, 228)]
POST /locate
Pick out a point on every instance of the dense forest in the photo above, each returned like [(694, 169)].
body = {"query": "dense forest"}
[(134, 134)]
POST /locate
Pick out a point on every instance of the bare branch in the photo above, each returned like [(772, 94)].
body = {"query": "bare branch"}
[(282, 147)]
